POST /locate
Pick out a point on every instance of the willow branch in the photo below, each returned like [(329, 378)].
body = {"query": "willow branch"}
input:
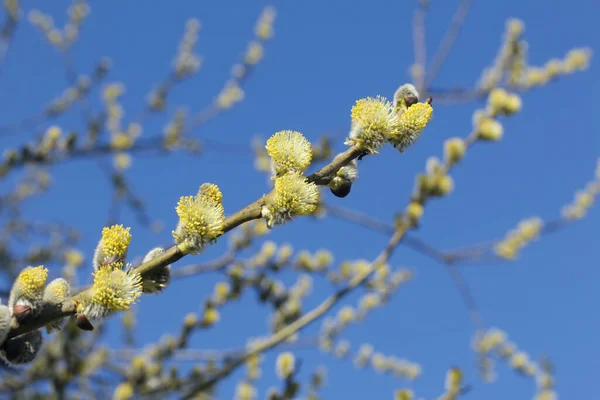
[(48, 113), (251, 212), (212, 266), (374, 224), (7, 32), (477, 253), (419, 44), (322, 176), (466, 295), (303, 321), (448, 41)]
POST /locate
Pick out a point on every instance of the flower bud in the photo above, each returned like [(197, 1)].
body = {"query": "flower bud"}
[(24, 348)]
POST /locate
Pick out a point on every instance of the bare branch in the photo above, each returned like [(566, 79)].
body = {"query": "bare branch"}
[(448, 41)]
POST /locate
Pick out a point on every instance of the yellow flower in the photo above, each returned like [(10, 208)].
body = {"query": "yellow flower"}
[(515, 27), (553, 68), (409, 126), (502, 102), (414, 211), (513, 104), (530, 228), (519, 360), (489, 129), (289, 151), (122, 161), (454, 150), (245, 391), (369, 301), (201, 219), (445, 185), (286, 364), (404, 394), (264, 25), (121, 141), (453, 380), (55, 293), (584, 199), (323, 258), (50, 139), (211, 192), (371, 122), (577, 59), (268, 249), (284, 254), (497, 99), (346, 315), (342, 348), (31, 281), (547, 394), (74, 257), (379, 362), (231, 94), (293, 196), (535, 77), (254, 53), (211, 316), (26, 294), (113, 91), (124, 391), (190, 320), (113, 290), (505, 250), (222, 290), (507, 350), (112, 248)]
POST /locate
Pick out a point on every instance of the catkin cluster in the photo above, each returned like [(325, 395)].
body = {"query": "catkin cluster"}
[(201, 218), (28, 298), (376, 121), (290, 154)]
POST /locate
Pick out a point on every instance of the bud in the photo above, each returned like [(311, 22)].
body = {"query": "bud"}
[(285, 365), (454, 150), (83, 323), (23, 348), (5, 318), (414, 211), (156, 280), (26, 295), (489, 129), (55, 293)]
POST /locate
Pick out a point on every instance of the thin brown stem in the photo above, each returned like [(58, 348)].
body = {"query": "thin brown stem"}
[(175, 253), (448, 41), (466, 296), (374, 224), (419, 44), (196, 269), (303, 321)]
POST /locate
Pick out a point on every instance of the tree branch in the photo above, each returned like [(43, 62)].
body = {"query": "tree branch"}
[(448, 41), (173, 254), (306, 319)]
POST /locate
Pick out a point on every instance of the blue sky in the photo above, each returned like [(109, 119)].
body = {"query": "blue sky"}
[(324, 56)]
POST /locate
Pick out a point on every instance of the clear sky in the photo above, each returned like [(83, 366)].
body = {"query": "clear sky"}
[(326, 55)]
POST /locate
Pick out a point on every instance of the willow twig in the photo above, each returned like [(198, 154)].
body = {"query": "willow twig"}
[(448, 41), (251, 212), (303, 321), (419, 44)]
